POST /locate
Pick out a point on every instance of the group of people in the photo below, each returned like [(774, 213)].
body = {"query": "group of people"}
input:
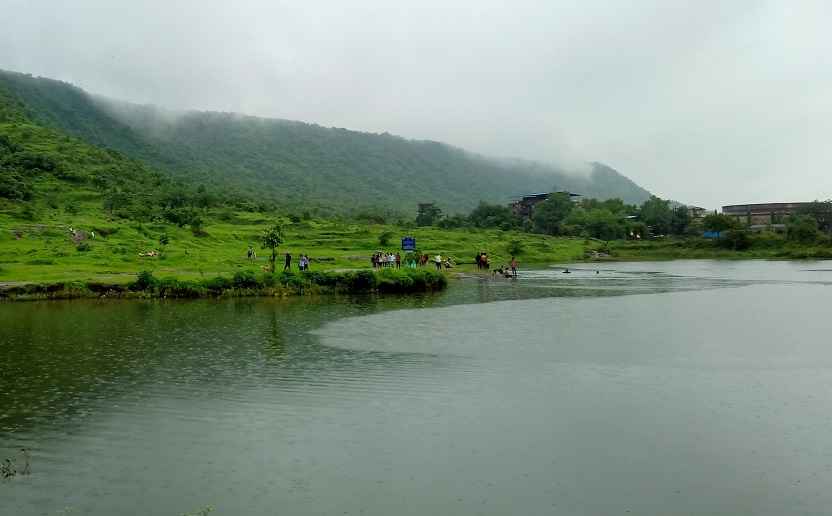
[(482, 261), (303, 262), (381, 260), (509, 270)]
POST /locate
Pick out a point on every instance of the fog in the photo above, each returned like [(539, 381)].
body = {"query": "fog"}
[(707, 102)]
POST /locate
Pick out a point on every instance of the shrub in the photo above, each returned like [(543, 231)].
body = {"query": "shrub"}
[(515, 248), (359, 281), (71, 208), (320, 278), (144, 281), (291, 279), (736, 239), (245, 279), (170, 287), (218, 284), (384, 238), (268, 280), (40, 261)]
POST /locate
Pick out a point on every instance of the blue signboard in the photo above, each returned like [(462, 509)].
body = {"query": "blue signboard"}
[(408, 244)]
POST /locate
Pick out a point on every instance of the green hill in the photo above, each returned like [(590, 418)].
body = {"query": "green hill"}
[(296, 164)]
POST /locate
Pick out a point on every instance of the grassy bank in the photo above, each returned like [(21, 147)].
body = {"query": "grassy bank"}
[(760, 247), (241, 284), (44, 250)]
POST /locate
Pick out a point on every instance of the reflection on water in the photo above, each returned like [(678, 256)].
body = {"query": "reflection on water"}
[(668, 388)]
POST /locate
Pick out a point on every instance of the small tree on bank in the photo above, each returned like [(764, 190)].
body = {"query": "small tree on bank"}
[(718, 222), (272, 237)]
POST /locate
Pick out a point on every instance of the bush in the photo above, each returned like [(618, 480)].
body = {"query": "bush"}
[(245, 279), (40, 261), (218, 284), (323, 279), (268, 280), (384, 238), (170, 287), (291, 279), (736, 239), (515, 248), (359, 281), (71, 208), (144, 281), (802, 229)]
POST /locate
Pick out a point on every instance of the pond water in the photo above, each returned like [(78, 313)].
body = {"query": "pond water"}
[(690, 387)]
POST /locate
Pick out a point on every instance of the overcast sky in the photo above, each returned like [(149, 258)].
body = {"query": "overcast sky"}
[(708, 102)]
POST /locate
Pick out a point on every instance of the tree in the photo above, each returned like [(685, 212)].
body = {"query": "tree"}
[(164, 240), (272, 237), (679, 220), (604, 225), (515, 247), (428, 214), (718, 222), (656, 213), (548, 216), (821, 211), (802, 229), (492, 216), (736, 239), (384, 238)]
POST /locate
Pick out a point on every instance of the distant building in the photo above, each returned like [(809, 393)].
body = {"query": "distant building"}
[(524, 206), (695, 212), (765, 214)]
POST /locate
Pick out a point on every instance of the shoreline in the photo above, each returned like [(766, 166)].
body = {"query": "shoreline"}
[(241, 284), (298, 284)]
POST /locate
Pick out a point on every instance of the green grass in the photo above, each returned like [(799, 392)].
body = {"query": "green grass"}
[(762, 247), (42, 250)]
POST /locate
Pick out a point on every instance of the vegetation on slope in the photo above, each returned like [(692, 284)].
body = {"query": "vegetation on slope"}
[(299, 165)]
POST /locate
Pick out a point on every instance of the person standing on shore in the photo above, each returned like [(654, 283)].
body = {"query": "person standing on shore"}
[(287, 263), (398, 260), (514, 265), (437, 260)]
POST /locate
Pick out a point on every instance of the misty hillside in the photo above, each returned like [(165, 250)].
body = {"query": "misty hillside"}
[(301, 164)]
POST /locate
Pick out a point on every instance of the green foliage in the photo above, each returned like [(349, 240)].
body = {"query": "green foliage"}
[(515, 247), (549, 215), (453, 221), (271, 238), (736, 239), (718, 222), (385, 237), (596, 223), (679, 220), (658, 216), (802, 229), (28, 212), (144, 281), (487, 215), (245, 279), (614, 205), (301, 166), (429, 214), (821, 212)]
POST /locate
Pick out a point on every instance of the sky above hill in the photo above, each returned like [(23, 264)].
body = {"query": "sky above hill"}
[(708, 102)]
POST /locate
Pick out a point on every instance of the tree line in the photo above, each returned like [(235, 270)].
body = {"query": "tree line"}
[(613, 219)]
